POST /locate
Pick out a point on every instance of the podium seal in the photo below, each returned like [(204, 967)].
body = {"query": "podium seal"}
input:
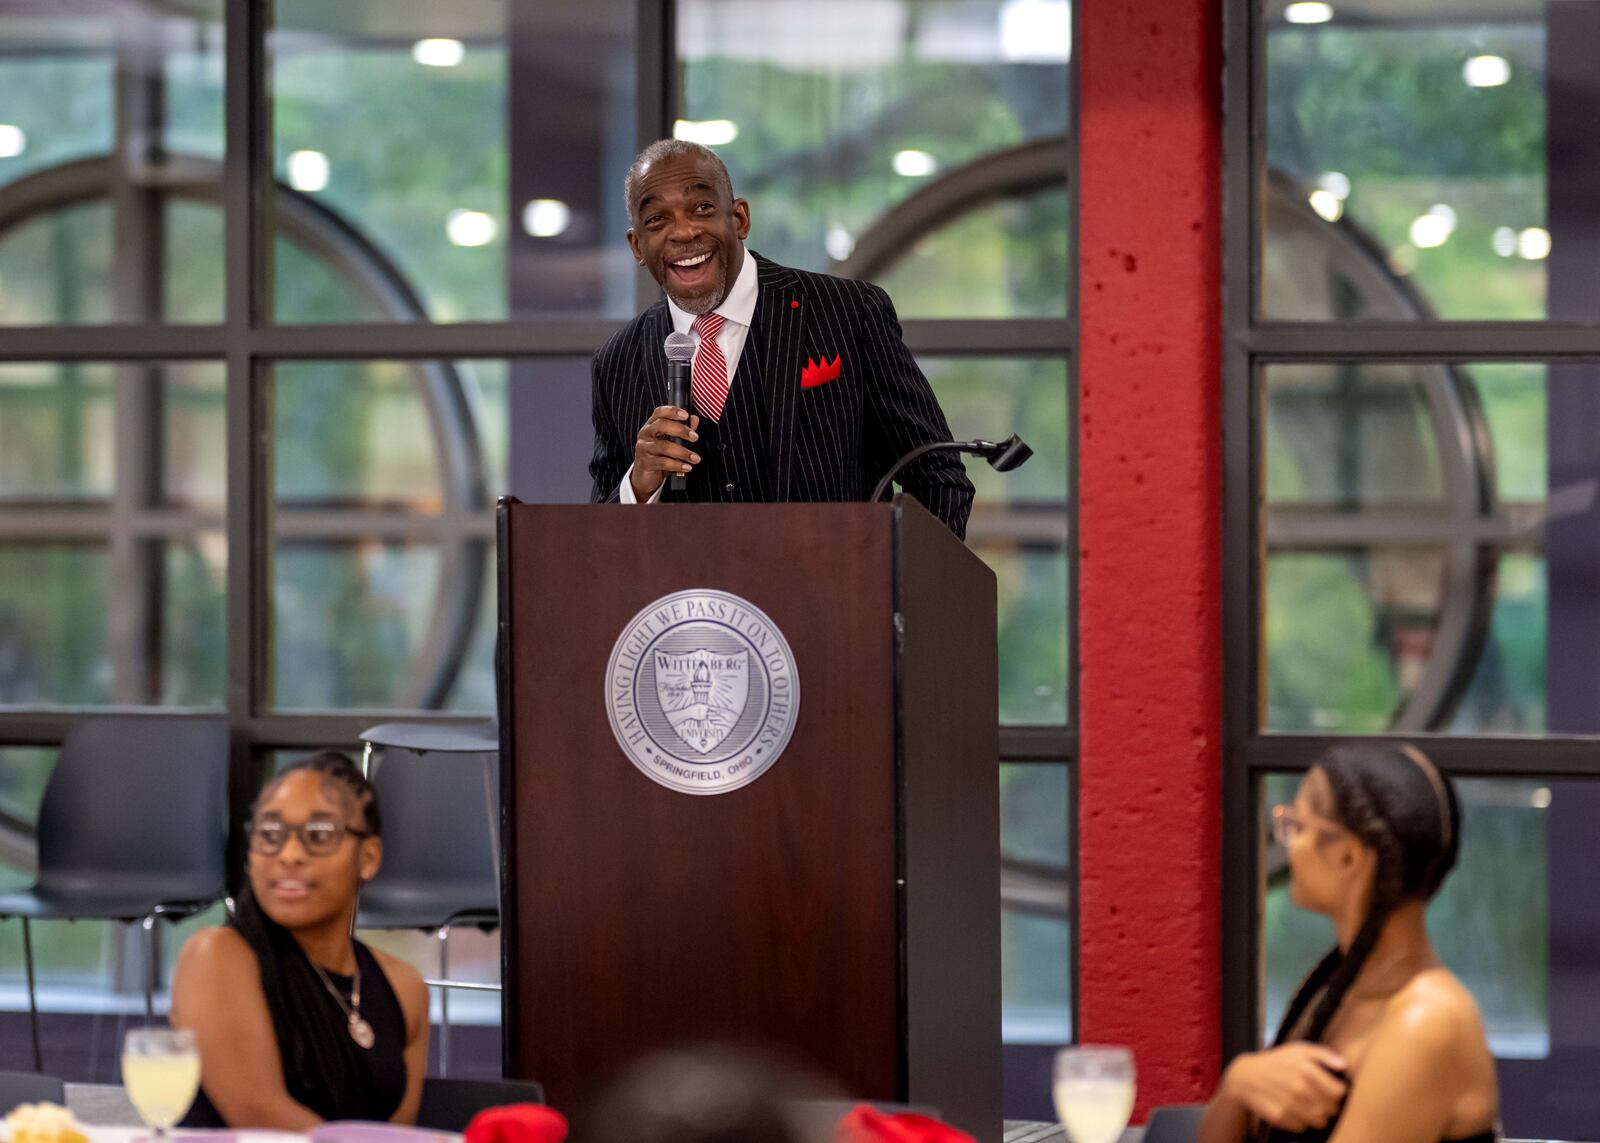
[(702, 691)]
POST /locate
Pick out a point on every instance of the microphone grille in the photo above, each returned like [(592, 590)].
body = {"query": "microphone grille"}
[(679, 347)]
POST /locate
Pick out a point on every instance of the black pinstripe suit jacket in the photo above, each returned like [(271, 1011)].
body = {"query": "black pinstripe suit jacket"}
[(833, 441)]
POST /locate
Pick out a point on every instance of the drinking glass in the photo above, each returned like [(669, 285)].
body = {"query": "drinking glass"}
[(161, 1070), (1094, 1092)]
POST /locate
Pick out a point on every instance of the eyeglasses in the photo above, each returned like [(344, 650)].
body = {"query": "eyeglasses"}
[(317, 838), (1288, 824)]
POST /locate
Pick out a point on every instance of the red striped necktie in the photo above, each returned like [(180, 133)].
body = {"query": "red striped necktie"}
[(709, 381)]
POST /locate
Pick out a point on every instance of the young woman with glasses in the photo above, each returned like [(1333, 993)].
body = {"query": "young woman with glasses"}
[(297, 1022), (1381, 1043)]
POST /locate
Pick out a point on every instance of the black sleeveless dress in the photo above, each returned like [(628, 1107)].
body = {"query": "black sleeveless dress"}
[(384, 1063)]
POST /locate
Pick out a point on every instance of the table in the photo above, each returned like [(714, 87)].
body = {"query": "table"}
[(1019, 1131)]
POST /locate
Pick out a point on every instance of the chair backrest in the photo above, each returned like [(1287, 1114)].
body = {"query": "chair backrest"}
[(449, 1104), (1175, 1124), (435, 823), (29, 1087), (137, 802)]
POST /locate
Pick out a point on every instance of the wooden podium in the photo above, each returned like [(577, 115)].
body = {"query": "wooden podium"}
[(842, 908)]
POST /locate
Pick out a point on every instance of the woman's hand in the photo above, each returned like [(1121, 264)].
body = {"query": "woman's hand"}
[(1294, 1087)]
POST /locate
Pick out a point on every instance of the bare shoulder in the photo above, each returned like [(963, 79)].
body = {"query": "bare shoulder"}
[(219, 949), (214, 964), (1435, 1013)]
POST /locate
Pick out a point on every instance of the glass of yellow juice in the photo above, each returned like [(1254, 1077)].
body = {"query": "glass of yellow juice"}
[(161, 1070)]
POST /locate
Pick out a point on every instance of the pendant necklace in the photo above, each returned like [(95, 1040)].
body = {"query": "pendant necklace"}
[(360, 1031)]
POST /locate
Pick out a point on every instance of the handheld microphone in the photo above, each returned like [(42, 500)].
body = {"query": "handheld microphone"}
[(679, 348)]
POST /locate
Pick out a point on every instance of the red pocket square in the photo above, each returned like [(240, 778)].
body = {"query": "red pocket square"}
[(818, 372)]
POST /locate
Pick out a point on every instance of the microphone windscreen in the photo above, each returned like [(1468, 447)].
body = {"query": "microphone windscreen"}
[(679, 347)]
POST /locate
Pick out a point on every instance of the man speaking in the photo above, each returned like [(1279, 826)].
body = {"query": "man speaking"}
[(802, 387)]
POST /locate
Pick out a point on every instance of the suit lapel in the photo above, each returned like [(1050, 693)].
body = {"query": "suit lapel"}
[(778, 331), (658, 323)]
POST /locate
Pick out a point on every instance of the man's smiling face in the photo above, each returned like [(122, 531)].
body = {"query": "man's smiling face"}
[(688, 230)]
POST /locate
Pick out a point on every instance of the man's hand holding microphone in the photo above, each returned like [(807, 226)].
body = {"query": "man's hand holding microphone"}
[(658, 453)]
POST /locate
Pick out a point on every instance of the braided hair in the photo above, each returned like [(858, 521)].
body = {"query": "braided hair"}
[(322, 1066), (1404, 808)]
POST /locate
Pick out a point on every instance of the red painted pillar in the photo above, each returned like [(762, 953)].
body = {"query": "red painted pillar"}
[(1150, 464)]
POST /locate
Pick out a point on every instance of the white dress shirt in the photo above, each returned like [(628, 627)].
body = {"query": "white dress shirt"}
[(738, 310)]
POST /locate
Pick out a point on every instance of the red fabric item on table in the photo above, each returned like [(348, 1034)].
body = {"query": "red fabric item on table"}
[(866, 1124), (517, 1123)]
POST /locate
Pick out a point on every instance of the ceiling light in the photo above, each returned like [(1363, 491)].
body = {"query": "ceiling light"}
[(1336, 183), (706, 132), (13, 140), (1430, 230), (1486, 71), (438, 52), (1534, 243), (1308, 12), (1327, 204), (1504, 241), (1036, 31), (546, 217), (471, 227), (914, 164), (307, 170)]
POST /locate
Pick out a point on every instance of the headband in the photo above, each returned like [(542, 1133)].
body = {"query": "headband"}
[(1436, 780)]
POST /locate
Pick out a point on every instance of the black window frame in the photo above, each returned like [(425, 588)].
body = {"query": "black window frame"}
[(1250, 344), (249, 344)]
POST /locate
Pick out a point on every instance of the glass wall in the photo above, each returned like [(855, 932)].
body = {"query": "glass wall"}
[(923, 144), (1412, 405), (283, 345)]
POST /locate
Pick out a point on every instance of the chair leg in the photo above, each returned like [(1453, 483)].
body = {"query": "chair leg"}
[(444, 1002), (494, 825), (151, 969), (33, 999)]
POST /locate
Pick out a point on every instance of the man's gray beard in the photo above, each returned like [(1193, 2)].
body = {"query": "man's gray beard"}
[(706, 302)]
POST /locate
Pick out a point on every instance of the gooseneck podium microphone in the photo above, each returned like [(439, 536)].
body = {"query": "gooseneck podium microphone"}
[(679, 348), (1002, 457)]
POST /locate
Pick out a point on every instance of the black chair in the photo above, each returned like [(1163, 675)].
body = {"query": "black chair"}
[(30, 1087), (450, 1104), (438, 859), (1179, 1124), (132, 828)]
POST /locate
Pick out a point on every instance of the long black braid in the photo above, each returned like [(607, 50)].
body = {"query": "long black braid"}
[(1401, 806), (322, 1065)]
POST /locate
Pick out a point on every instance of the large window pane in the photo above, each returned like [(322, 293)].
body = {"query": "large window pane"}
[(386, 230), (71, 215), (1490, 922), (1515, 921), (1006, 258), (1415, 149), (831, 119), (384, 475), (113, 558), (55, 431), (1036, 887), (1019, 522), (1408, 522)]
